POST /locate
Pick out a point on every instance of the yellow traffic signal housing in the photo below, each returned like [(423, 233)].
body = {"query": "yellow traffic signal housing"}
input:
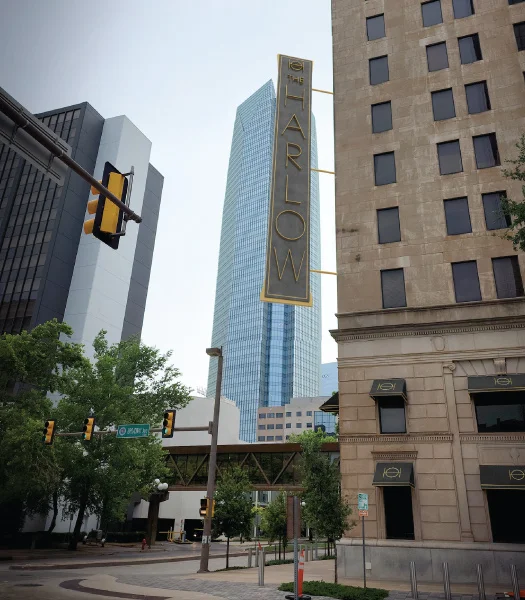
[(168, 424), (89, 426), (205, 505), (49, 432), (107, 222)]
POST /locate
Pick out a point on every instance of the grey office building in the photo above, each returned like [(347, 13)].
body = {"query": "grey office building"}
[(48, 267)]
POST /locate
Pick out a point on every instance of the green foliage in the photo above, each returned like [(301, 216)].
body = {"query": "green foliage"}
[(516, 209), (233, 505), (285, 561), (273, 519), (127, 382), (32, 364), (335, 590)]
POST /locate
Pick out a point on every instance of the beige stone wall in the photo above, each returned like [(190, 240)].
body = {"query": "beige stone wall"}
[(425, 251)]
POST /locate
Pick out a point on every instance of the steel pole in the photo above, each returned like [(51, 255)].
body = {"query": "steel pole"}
[(364, 556), (515, 582), (446, 582), (481, 583), (212, 468), (413, 580)]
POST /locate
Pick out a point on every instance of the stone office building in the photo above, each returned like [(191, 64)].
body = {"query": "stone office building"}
[(429, 101)]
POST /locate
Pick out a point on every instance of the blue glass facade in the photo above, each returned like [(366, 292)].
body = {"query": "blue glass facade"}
[(272, 352)]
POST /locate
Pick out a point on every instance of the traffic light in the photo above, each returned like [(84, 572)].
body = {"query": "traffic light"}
[(168, 424), (205, 503), (49, 432), (89, 426), (107, 223)]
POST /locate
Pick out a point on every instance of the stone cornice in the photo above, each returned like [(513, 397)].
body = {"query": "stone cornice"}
[(409, 438), (491, 437), (489, 315), (395, 455), (446, 357)]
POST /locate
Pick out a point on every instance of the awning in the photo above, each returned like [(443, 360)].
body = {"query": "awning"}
[(394, 473), (388, 387), (496, 383), (503, 477), (331, 405)]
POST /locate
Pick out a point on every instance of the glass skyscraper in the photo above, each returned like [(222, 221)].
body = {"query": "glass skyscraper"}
[(272, 352)]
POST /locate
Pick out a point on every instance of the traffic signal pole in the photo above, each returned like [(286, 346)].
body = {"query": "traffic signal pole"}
[(212, 469), (58, 152)]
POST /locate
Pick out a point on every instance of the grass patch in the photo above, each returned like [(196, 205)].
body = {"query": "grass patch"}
[(336, 590), (230, 569), (271, 563)]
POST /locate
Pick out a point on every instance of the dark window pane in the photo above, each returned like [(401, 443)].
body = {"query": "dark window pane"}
[(469, 49), (507, 276), (466, 281), (384, 168), (462, 8), (431, 13), (437, 57), (392, 415), (375, 27), (457, 216), (260, 438), (486, 151), (388, 225), (449, 155), (269, 438), (378, 70), (477, 97), (393, 288), (519, 33), (500, 411), (515, 1), (495, 218), (443, 105), (381, 117)]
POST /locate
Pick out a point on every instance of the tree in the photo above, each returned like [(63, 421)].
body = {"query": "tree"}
[(233, 506), (515, 210), (274, 521), (32, 365), (127, 382), (325, 510)]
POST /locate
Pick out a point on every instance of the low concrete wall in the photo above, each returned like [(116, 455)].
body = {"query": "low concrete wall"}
[(390, 560)]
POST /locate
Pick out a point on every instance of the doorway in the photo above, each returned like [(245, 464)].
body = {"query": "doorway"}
[(399, 518), (506, 515)]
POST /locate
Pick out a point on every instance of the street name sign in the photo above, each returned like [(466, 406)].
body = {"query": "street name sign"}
[(133, 431), (362, 501)]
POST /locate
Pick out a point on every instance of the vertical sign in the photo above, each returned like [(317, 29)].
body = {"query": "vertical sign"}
[(287, 277)]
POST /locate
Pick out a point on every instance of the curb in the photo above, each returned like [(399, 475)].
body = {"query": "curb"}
[(114, 563)]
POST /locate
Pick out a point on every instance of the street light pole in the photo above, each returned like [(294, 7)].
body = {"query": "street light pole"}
[(212, 465)]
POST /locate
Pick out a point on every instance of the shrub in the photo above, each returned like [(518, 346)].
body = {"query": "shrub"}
[(336, 590), (125, 537), (270, 563)]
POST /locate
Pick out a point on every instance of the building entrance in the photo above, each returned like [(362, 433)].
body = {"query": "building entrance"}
[(399, 517), (506, 515)]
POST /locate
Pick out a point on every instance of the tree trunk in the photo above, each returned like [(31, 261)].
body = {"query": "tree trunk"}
[(78, 524), (227, 552), (279, 548), (335, 567), (55, 512)]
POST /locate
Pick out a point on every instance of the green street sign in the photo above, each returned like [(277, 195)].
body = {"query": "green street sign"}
[(133, 431)]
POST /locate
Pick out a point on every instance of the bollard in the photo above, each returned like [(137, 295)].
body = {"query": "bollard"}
[(515, 582), (316, 551), (249, 558), (481, 583), (446, 582), (261, 568), (307, 553), (256, 557), (413, 579)]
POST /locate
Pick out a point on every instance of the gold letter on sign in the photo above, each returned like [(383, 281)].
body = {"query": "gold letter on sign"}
[(287, 278)]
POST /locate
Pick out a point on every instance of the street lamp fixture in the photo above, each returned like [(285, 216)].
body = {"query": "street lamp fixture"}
[(214, 351)]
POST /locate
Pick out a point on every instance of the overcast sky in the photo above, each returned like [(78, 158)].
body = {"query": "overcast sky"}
[(178, 69)]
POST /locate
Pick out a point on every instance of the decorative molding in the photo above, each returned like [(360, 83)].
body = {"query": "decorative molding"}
[(491, 437), (395, 455), (449, 367), (410, 438), (422, 357), (500, 366)]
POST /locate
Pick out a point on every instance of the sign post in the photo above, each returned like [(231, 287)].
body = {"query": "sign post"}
[(133, 431), (362, 507)]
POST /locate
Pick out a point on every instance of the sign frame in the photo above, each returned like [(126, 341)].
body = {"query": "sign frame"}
[(287, 276)]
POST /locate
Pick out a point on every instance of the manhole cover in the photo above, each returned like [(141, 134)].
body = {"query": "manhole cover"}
[(28, 584)]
